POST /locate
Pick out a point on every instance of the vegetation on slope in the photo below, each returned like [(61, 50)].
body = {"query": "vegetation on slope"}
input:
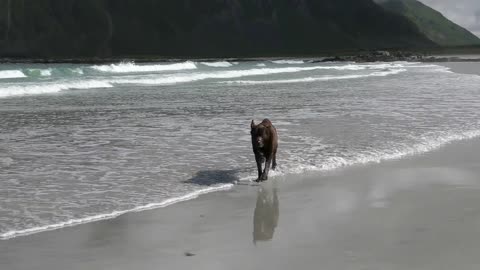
[(207, 28), (432, 23)]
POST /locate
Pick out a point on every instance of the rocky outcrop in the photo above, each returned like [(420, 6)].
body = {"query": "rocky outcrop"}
[(377, 56)]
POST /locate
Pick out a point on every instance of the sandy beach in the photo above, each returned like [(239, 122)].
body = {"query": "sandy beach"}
[(420, 212), (127, 131)]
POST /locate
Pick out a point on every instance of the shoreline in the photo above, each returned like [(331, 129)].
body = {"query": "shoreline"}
[(417, 211), (409, 153), (167, 202), (115, 214), (376, 215), (201, 192), (360, 57)]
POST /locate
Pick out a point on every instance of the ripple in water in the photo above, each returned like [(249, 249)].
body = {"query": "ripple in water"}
[(74, 156)]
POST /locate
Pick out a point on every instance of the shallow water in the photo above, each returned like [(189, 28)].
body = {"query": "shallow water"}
[(83, 143)]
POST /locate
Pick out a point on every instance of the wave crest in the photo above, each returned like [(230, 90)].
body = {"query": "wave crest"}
[(183, 78), (11, 74), (131, 67), (323, 78), (34, 72), (288, 62), (47, 88), (217, 64)]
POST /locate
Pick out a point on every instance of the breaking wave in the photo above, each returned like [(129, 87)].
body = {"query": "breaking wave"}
[(131, 67), (297, 165), (217, 64), (34, 72), (47, 88), (11, 74), (183, 78), (288, 62), (322, 78), (315, 157)]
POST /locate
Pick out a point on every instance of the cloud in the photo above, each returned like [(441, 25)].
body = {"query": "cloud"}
[(465, 13)]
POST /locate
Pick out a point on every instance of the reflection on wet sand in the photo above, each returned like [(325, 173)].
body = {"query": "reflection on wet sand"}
[(265, 218)]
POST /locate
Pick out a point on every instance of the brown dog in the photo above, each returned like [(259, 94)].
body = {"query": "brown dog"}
[(264, 143)]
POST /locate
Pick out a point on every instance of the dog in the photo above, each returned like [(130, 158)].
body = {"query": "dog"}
[(264, 144)]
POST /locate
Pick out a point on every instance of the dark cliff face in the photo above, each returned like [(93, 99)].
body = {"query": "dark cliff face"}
[(207, 28), (54, 28)]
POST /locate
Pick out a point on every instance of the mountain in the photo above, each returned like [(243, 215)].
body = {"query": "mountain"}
[(431, 23), (193, 28)]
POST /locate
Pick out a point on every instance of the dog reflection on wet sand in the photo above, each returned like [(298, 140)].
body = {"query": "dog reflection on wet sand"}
[(265, 218)]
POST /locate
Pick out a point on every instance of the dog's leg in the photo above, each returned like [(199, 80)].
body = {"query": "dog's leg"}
[(268, 163), (258, 159), (274, 163)]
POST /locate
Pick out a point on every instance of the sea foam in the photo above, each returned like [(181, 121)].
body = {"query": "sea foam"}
[(78, 221), (45, 88), (34, 72), (183, 78), (322, 78), (296, 165), (288, 62), (11, 74), (427, 144), (130, 67), (217, 64)]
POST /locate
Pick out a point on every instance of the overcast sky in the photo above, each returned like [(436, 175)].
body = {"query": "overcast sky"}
[(462, 12)]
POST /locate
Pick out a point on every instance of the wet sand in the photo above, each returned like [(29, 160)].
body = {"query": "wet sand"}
[(463, 67), (420, 212)]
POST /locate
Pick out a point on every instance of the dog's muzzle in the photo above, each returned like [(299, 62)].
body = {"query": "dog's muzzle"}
[(260, 142)]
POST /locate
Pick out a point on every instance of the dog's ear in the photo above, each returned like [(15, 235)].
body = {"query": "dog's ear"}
[(252, 125), (266, 123)]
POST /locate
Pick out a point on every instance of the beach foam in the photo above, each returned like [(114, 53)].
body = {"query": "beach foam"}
[(302, 151), (131, 67), (78, 221), (217, 64), (433, 68), (183, 78), (35, 72), (298, 165), (11, 74), (46, 88), (288, 62), (78, 71), (428, 144), (323, 78)]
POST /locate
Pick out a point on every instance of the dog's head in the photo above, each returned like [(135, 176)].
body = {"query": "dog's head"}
[(259, 134)]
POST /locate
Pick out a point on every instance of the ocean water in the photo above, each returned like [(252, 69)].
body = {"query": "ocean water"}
[(86, 142)]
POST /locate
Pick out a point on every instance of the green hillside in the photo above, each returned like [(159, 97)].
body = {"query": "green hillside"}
[(194, 28), (431, 22)]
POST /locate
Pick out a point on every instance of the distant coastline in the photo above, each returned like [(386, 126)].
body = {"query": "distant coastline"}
[(460, 54)]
